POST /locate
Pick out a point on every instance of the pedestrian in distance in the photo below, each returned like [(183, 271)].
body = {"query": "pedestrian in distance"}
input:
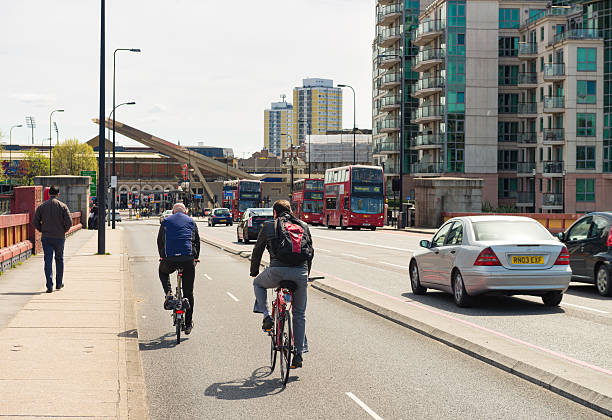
[(52, 219)]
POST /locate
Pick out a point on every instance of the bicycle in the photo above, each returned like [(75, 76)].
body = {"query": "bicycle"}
[(180, 306), (282, 340)]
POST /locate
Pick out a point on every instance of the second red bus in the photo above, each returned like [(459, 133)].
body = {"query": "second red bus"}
[(307, 200)]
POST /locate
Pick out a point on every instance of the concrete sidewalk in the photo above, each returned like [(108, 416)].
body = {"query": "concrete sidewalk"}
[(74, 352)]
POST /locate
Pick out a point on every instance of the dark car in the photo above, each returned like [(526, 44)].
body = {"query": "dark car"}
[(220, 216), (251, 223), (589, 241)]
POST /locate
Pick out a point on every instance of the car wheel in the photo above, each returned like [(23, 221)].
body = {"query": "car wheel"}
[(231, 224), (238, 236), (460, 295), (415, 281), (245, 237), (603, 281), (212, 225), (552, 298), (372, 227)]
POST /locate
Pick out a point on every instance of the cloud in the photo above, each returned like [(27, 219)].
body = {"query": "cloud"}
[(32, 98), (156, 109)]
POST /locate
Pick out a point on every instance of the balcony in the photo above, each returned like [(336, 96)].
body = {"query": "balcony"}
[(390, 167), (426, 87), (427, 141), (554, 71), (525, 198), (507, 137), (527, 109), (525, 168), (428, 58), (527, 80), (552, 168), (390, 80), (554, 104), (552, 201), (386, 147), (528, 139), (577, 34), (389, 58), (527, 50), (553, 136), (427, 168), (386, 2), (389, 125), (389, 36), (389, 103), (388, 14), (427, 113), (507, 108), (427, 31)]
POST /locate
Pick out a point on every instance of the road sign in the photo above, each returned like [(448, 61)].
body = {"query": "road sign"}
[(92, 183), (114, 181)]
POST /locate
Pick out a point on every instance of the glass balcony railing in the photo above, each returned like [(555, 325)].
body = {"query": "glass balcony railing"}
[(391, 78), (428, 111), (428, 27), (552, 199), (507, 137), (554, 102), (577, 34), (527, 78), (386, 146), (527, 138), (554, 135), (554, 69), (389, 101), (527, 108), (552, 167), (428, 55), (427, 140), (527, 48), (427, 168), (389, 55), (525, 197), (389, 33), (525, 167), (390, 167), (391, 9), (428, 83), (390, 124)]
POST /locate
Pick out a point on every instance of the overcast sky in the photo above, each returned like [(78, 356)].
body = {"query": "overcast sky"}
[(207, 70)]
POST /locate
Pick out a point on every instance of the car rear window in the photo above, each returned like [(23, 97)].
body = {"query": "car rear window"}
[(262, 212), (222, 212), (510, 230)]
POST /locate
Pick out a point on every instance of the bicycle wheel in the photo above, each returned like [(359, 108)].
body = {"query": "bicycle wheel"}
[(286, 347), (273, 345), (178, 330)]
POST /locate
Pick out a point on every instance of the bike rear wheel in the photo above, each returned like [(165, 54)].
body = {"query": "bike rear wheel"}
[(178, 330), (273, 343), (286, 347)]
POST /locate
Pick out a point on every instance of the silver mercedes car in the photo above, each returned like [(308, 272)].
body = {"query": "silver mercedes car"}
[(509, 255)]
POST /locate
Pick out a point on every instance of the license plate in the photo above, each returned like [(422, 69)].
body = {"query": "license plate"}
[(527, 259)]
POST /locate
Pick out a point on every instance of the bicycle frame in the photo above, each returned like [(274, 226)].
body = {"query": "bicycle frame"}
[(178, 313)]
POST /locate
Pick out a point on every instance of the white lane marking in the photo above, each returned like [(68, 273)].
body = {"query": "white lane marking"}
[(585, 307), (322, 249), (354, 256), (365, 407), (365, 243), (207, 276), (232, 296), (393, 265)]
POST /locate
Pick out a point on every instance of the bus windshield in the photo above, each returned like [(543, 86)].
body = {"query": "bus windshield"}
[(246, 204), (250, 186), (314, 185), (367, 176), (311, 206), (367, 205)]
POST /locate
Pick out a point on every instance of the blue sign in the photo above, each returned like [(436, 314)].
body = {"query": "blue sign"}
[(197, 196)]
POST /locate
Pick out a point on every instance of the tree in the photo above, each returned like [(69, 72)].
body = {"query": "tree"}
[(38, 165), (72, 157)]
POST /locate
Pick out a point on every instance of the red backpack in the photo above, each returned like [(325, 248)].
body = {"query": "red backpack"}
[(294, 244)]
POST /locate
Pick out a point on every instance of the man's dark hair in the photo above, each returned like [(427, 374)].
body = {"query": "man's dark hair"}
[(53, 190), (281, 206)]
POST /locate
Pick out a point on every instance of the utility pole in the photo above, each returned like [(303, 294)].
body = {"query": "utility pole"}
[(101, 193)]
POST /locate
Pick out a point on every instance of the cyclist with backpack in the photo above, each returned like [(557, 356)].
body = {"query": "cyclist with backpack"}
[(289, 243)]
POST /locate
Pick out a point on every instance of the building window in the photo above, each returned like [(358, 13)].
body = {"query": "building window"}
[(507, 188), (507, 131), (456, 14), (541, 64), (460, 39), (508, 75), (508, 46), (509, 19), (507, 103), (585, 125), (586, 91), (507, 160), (585, 189), (587, 59), (542, 33), (585, 157)]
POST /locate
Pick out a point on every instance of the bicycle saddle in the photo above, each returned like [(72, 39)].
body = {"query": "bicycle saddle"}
[(288, 284)]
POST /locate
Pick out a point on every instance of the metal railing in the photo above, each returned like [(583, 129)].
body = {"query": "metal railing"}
[(427, 140), (527, 48), (391, 123), (554, 69), (389, 101), (388, 33), (507, 137), (386, 146), (552, 199), (427, 168), (527, 108), (427, 55), (525, 197), (389, 10), (525, 167), (527, 78), (554, 135), (554, 102), (577, 34), (428, 111), (427, 27), (527, 138), (428, 83), (394, 77), (552, 167)]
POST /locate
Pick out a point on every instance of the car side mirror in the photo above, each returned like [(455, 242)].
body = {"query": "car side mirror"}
[(425, 244), (561, 236)]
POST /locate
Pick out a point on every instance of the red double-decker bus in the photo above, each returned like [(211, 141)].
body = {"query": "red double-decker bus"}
[(239, 195), (307, 200), (354, 197)]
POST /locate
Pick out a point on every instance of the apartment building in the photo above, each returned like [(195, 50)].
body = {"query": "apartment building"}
[(317, 109), (511, 92), (278, 122)]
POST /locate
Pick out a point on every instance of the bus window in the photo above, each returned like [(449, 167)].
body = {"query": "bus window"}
[(330, 203), (346, 175)]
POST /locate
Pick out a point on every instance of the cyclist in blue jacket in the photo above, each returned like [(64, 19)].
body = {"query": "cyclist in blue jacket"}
[(178, 243)]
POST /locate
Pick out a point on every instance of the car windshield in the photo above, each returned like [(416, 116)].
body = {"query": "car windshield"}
[(366, 205), (262, 212), (510, 230), (222, 212)]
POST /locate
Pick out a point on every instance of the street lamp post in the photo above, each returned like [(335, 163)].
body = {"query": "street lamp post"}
[(534, 173), (50, 115), (56, 133), (291, 158), (31, 123), (354, 124), (101, 199), (11, 143), (113, 193), (115, 107)]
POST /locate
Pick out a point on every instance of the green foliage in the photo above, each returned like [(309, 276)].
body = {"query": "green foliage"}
[(72, 157), (38, 165)]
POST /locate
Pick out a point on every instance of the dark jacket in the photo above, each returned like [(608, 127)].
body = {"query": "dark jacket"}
[(266, 240), (178, 238), (52, 218)]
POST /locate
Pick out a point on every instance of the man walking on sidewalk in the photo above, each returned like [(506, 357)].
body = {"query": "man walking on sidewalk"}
[(52, 218)]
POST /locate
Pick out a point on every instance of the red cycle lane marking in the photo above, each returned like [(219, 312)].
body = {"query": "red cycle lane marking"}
[(473, 325)]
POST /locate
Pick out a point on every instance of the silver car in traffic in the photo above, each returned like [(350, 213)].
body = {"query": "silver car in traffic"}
[(508, 255)]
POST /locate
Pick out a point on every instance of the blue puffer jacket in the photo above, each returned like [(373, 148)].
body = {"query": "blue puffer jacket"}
[(178, 237)]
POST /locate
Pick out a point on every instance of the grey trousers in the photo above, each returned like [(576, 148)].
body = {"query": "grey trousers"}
[(270, 278)]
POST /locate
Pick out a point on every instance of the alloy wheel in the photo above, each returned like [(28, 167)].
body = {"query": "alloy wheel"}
[(458, 289), (602, 281)]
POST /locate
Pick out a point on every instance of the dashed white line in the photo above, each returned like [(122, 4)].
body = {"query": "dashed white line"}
[(354, 256), (364, 406), (207, 276), (393, 265), (584, 307), (232, 296), (364, 243)]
